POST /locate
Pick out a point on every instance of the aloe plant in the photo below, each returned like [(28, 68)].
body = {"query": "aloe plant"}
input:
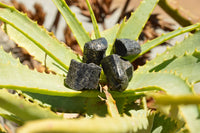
[(40, 96)]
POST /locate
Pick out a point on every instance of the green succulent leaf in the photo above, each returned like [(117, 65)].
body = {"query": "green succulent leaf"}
[(78, 31), (161, 81), (32, 48), (26, 111), (12, 76), (182, 87), (10, 116), (22, 78), (175, 60), (187, 65), (138, 19), (189, 45), (176, 13), (110, 35), (136, 122), (176, 100), (173, 85), (94, 21), (6, 58), (159, 40), (86, 102), (164, 124), (13, 73), (38, 35)]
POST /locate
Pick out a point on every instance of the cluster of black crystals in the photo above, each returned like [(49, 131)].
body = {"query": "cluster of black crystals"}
[(118, 71)]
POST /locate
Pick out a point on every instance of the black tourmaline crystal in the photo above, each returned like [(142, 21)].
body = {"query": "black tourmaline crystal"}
[(115, 72), (83, 76), (126, 47), (128, 67), (94, 51)]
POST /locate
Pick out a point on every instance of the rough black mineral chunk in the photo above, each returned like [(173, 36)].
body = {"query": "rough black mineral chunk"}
[(94, 51), (83, 76), (128, 67), (126, 47), (115, 72)]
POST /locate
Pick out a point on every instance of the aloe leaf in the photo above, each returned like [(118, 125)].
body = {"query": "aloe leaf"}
[(191, 116), (173, 85), (163, 124), (159, 40), (138, 19), (183, 17), (176, 100), (110, 35), (24, 110), (30, 46), (102, 125), (20, 78), (87, 102), (13, 73), (94, 21), (10, 116), (160, 80), (12, 76), (97, 105), (190, 112), (39, 36), (187, 65), (189, 45), (74, 104), (6, 58), (77, 29)]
